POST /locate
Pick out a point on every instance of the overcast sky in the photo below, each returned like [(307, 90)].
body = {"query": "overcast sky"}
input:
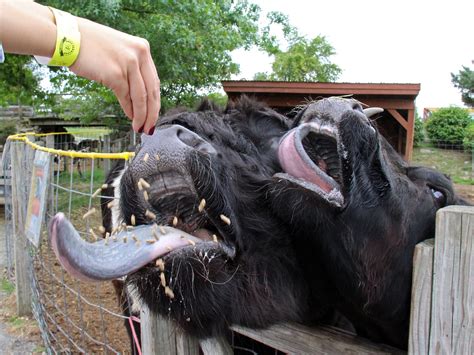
[(404, 41)]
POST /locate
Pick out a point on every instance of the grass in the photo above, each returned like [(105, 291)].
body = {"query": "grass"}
[(457, 164), (17, 322), (79, 183), (88, 132), (6, 286)]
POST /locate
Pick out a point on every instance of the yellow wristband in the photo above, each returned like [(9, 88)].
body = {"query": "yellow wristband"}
[(68, 39)]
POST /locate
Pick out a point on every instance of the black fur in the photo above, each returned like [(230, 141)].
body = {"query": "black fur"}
[(358, 257), (252, 276)]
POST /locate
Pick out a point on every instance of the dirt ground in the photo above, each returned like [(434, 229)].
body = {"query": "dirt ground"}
[(465, 191), (18, 335), (79, 315)]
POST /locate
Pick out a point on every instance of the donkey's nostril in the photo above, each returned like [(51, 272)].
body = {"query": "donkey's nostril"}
[(194, 141)]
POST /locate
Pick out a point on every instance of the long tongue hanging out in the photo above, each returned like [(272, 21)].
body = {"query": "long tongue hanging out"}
[(296, 162), (109, 260)]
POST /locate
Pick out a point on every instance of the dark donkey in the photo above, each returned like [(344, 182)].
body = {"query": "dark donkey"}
[(219, 256), (357, 210)]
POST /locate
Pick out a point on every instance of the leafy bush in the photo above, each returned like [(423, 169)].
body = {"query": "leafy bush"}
[(468, 141), (448, 125), (419, 135)]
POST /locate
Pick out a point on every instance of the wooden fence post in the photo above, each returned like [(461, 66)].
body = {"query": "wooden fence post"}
[(107, 162), (420, 317), (19, 201), (452, 314), (52, 168), (159, 335)]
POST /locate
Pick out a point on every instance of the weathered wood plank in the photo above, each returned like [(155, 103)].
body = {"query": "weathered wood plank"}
[(20, 243), (298, 339), (157, 333), (107, 162), (463, 319), (216, 346), (186, 344), (453, 297), (421, 298)]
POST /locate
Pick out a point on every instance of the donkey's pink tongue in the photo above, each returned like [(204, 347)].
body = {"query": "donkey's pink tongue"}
[(296, 162), (121, 255)]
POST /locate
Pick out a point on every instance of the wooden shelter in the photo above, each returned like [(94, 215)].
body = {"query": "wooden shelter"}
[(396, 123)]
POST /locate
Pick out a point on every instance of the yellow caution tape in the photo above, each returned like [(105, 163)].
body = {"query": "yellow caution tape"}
[(67, 153)]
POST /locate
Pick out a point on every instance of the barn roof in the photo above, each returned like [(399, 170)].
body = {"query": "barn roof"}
[(398, 100)]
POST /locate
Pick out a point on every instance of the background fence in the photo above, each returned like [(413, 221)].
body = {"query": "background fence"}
[(73, 316), (85, 317)]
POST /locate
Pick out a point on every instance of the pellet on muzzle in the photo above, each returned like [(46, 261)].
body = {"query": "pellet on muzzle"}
[(97, 192), (144, 183), (124, 239), (160, 263), (101, 229), (169, 292), (157, 156), (163, 279), (202, 204), (133, 220), (91, 231), (214, 238), (191, 242), (225, 219), (175, 221), (150, 214), (145, 195), (145, 158), (89, 213), (150, 241)]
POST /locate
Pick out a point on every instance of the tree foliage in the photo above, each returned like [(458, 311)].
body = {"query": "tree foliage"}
[(464, 81), (304, 60), (419, 135), (20, 81), (190, 41), (448, 125)]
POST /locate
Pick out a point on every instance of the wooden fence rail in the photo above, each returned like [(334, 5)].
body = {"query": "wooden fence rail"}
[(442, 309)]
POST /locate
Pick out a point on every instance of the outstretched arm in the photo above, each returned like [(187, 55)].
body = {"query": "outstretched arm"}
[(115, 59)]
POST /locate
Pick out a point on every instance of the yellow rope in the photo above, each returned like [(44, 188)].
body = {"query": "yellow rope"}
[(67, 153)]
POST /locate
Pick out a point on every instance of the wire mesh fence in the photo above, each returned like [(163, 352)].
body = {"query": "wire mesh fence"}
[(455, 159), (73, 316)]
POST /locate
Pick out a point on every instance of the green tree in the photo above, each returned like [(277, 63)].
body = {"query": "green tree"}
[(448, 125), (304, 60), (464, 81), (20, 81), (190, 41), (419, 136)]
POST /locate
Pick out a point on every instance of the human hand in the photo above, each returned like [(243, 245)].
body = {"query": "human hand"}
[(123, 63)]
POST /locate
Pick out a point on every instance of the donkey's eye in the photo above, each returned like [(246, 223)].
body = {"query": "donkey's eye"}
[(439, 197)]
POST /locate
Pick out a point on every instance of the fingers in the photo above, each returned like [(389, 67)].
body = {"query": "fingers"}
[(152, 85), (123, 97), (139, 97)]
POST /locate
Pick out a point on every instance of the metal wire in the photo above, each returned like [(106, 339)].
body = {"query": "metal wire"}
[(73, 316)]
